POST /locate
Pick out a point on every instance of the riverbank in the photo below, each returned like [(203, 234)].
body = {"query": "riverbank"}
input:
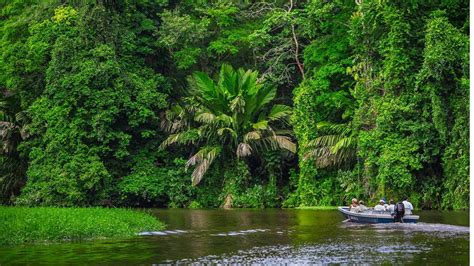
[(317, 208), (48, 224)]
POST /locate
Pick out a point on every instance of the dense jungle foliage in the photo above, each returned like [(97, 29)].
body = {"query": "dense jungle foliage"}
[(234, 103)]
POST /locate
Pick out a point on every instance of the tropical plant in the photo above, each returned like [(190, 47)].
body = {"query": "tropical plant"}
[(232, 119), (13, 129), (335, 147)]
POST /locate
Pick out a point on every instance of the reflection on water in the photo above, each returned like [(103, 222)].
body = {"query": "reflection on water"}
[(267, 236)]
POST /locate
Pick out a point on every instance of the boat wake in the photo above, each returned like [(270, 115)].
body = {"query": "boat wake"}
[(241, 232), (426, 227), (162, 233), (230, 233)]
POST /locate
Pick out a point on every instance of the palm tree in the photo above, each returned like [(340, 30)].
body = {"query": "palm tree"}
[(231, 119), (336, 147), (13, 129)]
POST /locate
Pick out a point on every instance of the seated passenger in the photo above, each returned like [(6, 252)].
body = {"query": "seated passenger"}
[(381, 206), (362, 206), (354, 206), (391, 206), (408, 206)]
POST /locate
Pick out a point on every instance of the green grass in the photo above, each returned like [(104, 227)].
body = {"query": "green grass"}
[(44, 224), (317, 208)]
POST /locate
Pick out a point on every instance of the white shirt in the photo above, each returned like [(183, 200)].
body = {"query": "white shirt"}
[(391, 208), (379, 207), (408, 207), (354, 209)]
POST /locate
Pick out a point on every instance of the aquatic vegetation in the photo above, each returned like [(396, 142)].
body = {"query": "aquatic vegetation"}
[(44, 224)]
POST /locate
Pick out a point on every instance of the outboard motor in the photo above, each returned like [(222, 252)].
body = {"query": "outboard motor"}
[(399, 212)]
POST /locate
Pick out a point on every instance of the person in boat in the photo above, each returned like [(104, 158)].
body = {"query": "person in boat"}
[(381, 206), (362, 207), (391, 206), (354, 206), (399, 212), (408, 206)]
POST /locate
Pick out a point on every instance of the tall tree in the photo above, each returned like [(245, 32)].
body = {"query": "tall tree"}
[(444, 80), (323, 97), (99, 101)]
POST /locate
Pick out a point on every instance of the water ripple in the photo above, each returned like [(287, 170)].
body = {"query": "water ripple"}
[(314, 254), (162, 233), (241, 232)]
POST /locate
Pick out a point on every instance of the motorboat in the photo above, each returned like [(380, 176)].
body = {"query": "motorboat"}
[(374, 217)]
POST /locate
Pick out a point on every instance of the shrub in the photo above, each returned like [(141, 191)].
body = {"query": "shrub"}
[(152, 185)]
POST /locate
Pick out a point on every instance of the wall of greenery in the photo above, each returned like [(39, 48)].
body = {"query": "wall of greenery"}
[(226, 103)]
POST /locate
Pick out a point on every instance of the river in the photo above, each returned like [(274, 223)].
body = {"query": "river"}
[(267, 236)]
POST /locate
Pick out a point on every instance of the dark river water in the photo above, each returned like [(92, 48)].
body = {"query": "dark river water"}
[(269, 236)]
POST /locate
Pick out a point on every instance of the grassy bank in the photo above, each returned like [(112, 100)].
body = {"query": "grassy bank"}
[(25, 225)]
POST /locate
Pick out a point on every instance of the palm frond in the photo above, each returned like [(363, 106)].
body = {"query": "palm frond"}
[(279, 112), (25, 131), (204, 84), (237, 105), (285, 132), (228, 79), (205, 117), (252, 135), (324, 158), (243, 150), (221, 132), (224, 120), (325, 140), (282, 142), (332, 128), (337, 148), (344, 143), (171, 139), (265, 95), (248, 82), (176, 118), (203, 160), (5, 128), (317, 153), (260, 125), (21, 117), (185, 137)]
